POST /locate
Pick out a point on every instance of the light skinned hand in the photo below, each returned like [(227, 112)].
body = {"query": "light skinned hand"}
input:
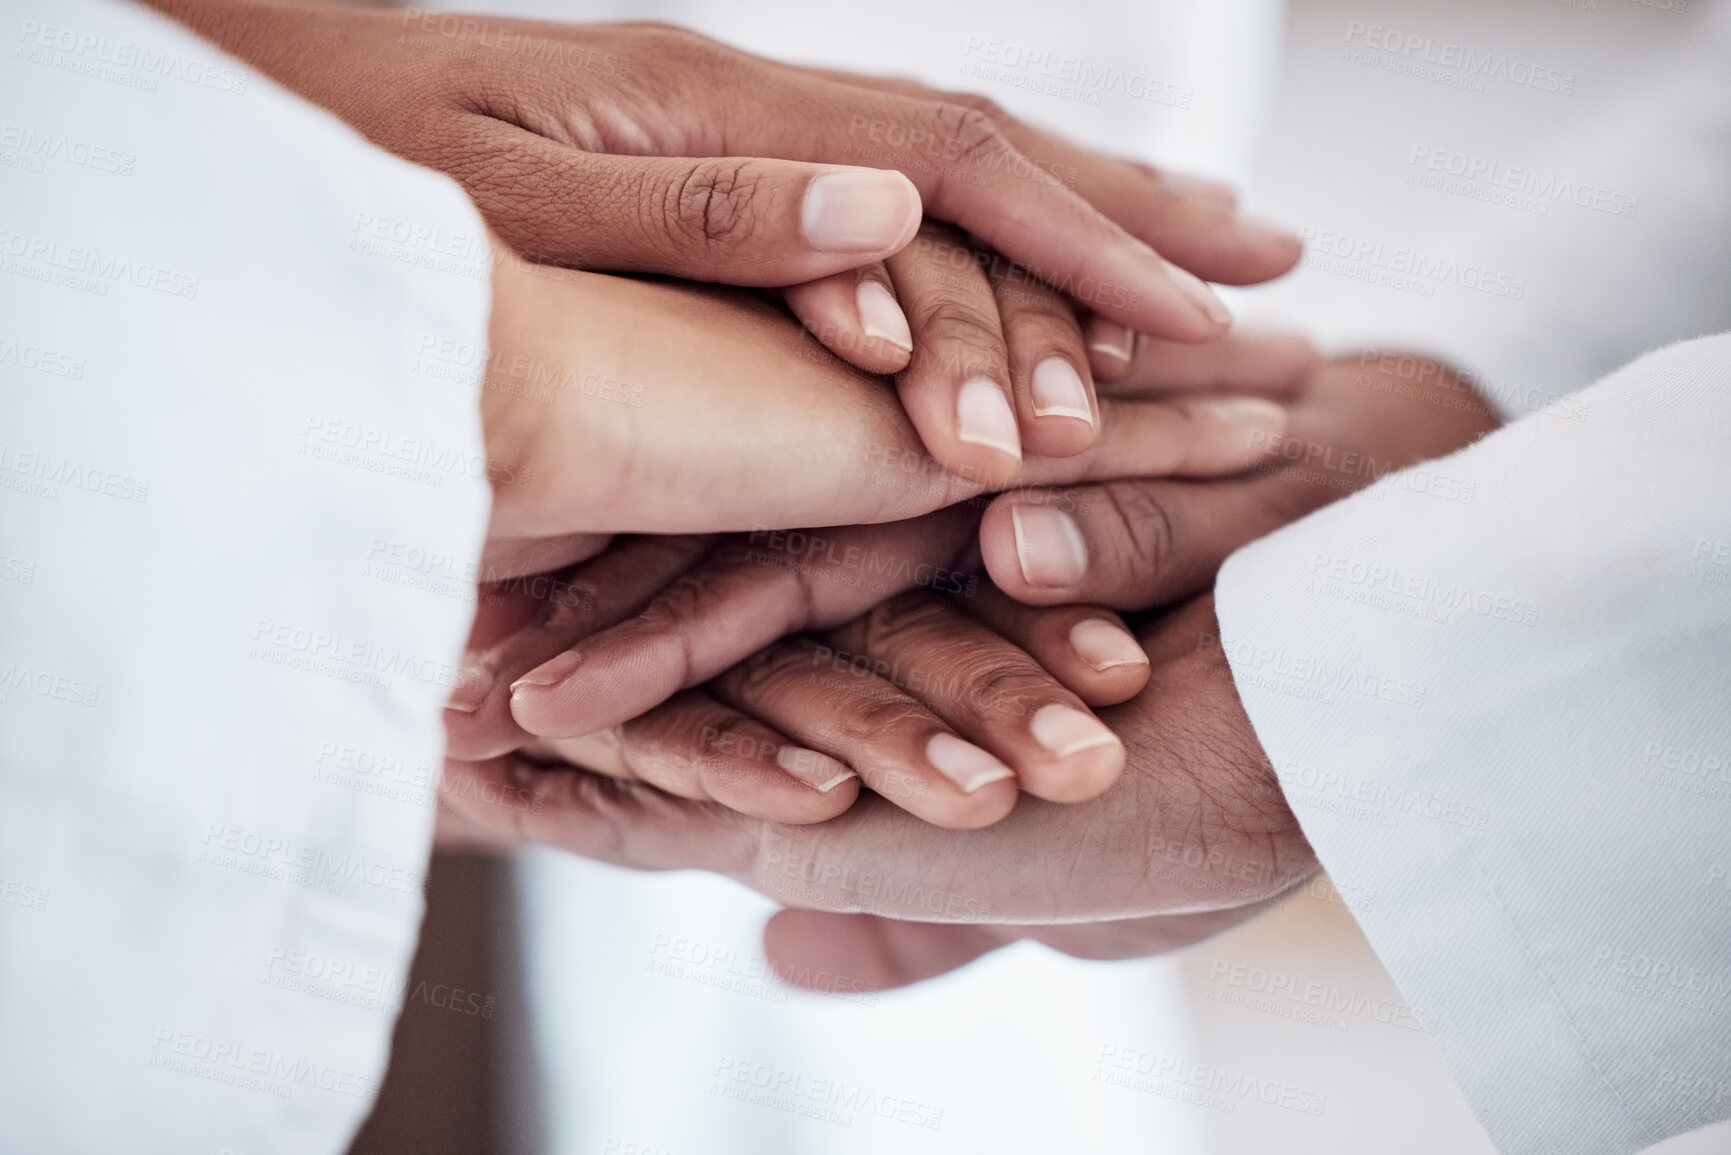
[(636, 640), (671, 408)]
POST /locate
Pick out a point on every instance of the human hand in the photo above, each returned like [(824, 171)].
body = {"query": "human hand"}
[(943, 705), (1196, 824), (665, 620), (618, 405), (1136, 543), (617, 147)]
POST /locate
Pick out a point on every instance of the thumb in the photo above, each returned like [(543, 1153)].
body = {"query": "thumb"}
[(729, 220)]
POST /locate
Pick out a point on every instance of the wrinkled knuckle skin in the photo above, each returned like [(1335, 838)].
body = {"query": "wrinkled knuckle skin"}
[(975, 134), (877, 712), (1138, 539), (768, 674), (910, 612), (715, 204)]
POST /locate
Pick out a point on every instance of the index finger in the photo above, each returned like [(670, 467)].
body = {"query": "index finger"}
[(969, 173)]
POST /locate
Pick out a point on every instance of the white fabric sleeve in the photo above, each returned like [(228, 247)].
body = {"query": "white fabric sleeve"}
[(239, 511), (1501, 706)]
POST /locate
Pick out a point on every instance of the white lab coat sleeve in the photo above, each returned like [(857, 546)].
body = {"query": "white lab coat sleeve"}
[(242, 492), (1499, 701)]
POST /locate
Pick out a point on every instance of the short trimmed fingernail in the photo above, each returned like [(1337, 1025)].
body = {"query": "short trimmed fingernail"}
[(1113, 339), (1252, 411), (984, 417), (817, 770), (549, 673), (965, 764), (1105, 646), (881, 317), (474, 683), (1200, 295), (859, 210), (1065, 730), (1059, 392), (1048, 546)]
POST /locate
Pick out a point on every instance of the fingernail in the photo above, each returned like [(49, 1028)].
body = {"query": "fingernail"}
[(859, 210), (1200, 295), (984, 417), (1267, 231), (1113, 339), (551, 672), (1065, 730), (474, 683), (1105, 646), (965, 764), (1059, 392), (1251, 411), (881, 317), (817, 770), (1049, 546)]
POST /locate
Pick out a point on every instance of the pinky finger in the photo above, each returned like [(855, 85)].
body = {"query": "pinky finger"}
[(855, 315), (1088, 649), (697, 748)]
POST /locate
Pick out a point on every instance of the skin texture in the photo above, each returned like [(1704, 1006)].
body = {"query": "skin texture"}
[(648, 148), (1195, 824), (1193, 837), (669, 408)]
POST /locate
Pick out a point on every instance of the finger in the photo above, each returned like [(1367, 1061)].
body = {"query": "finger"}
[(1185, 437), (1271, 364), (898, 746), (1049, 374), (552, 611), (727, 219), (694, 747), (509, 800), (991, 692), (956, 387), (749, 592), (855, 315), (1087, 648), (1193, 221), (969, 174), (1133, 544), (867, 952)]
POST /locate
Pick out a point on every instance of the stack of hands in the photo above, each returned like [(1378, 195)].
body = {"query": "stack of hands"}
[(816, 581)]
